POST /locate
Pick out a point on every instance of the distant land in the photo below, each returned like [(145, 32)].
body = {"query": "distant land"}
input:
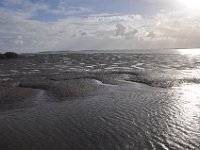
[(162, 51)]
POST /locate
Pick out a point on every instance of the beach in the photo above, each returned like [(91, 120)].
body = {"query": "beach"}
[(94, 100)]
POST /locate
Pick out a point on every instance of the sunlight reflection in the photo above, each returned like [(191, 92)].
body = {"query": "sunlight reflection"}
[(190, 106), (189, 51), (146, 34)]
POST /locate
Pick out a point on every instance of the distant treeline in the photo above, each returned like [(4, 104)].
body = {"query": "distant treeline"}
[(8, 55)]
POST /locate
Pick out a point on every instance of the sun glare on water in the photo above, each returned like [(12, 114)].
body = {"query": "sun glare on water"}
[(189, 51)]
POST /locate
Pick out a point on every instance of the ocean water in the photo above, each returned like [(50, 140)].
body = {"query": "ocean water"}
[(142, 100)]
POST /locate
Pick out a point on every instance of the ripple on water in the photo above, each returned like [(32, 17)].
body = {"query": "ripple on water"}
[(123, 116)]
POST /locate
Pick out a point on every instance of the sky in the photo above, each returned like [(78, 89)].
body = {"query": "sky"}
[(56, 25)]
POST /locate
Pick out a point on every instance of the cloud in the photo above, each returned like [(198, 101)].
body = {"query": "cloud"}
[(83, 33), (121, 30), (23, 6), (19, 32), (127, 32), (34, 9), (12, 2)]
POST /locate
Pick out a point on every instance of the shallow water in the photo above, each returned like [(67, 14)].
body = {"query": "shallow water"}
[(140, 114)]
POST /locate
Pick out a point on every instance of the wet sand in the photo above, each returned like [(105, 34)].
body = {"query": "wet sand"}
[(99, 101)]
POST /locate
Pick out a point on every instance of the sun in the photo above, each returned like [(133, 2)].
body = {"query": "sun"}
[(193, 4)]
